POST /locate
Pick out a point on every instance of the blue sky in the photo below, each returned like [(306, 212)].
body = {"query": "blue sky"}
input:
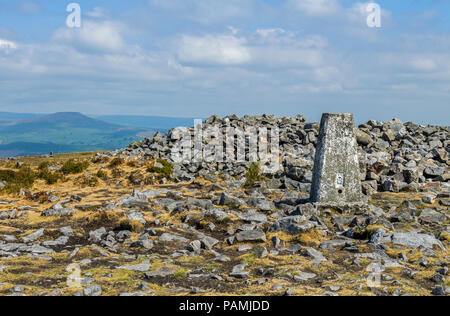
[(202, 57)]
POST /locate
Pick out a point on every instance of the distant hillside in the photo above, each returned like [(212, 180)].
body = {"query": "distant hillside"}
[(64, 132), (160, 123)]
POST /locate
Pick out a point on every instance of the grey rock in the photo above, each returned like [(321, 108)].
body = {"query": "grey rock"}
[(408, 239), (444, 202), (259, 201), (441, 290), (238, 271), (145, 244), (438, 278), (431, 216), (60, 241), (260, 251), (58, 210), (208, 242), (173, 237), (244, 248), (97, 235), (93, 290), (217, 214), (229, 200), (276, 242), (136, 294), (289, 292), (137, 267), (66, 231), (251, 236), (33, 236), (433, 171), (292, 225), (428, 199), (260, 218), (137, 216), (303, 276), (423, 262), (315, 254), (195, 245), (160, 273)]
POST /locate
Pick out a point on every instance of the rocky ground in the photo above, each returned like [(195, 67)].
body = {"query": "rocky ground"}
[(131, 223)]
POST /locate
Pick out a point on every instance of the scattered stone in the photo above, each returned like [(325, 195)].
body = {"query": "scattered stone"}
[(160, 273), (97, 235), (137, 267), (260, 251), (172, 237), (317, 256), (441, 290), (238, 271), (256, 235), (66, 231), (33, 236), (93, 290), (303, 276), (408, 239)]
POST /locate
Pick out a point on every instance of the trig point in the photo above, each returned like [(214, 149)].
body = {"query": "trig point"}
[(336, 175)]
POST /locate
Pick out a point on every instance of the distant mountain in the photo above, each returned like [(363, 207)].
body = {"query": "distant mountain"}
[(64, 132), (160, 123)]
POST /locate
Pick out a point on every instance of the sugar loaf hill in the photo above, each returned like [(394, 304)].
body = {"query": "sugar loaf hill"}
[(136, 222), (28, 134)]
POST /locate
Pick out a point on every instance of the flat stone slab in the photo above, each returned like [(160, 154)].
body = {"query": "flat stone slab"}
[(160, 273), (409, 239), (137, 267)]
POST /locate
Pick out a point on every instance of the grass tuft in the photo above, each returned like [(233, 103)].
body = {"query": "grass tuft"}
[(15, 180), (253, 175), (116, 162), (73, 167), (163, 172)]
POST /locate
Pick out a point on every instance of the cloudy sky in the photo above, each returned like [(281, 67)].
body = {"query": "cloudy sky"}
[(195, 58)]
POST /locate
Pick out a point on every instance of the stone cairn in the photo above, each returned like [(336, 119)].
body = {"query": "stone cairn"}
[(392, 156)]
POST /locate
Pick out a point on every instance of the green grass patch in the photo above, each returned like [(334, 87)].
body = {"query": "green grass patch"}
[(16, 180), (163, 168), (253, 175), (73, 167), (116, 162)]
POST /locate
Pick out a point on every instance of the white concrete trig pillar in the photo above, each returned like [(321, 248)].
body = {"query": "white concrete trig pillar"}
[(336, 175)]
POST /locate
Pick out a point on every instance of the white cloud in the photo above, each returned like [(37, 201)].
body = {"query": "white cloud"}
[(7, 46), (314, 88), (316, 7), (268, 33), (104, 36), (281, 37), (213, 50), (423, 64), (97, 12)]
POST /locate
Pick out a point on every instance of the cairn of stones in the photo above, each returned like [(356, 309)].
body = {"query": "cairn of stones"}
[(392, 156)]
